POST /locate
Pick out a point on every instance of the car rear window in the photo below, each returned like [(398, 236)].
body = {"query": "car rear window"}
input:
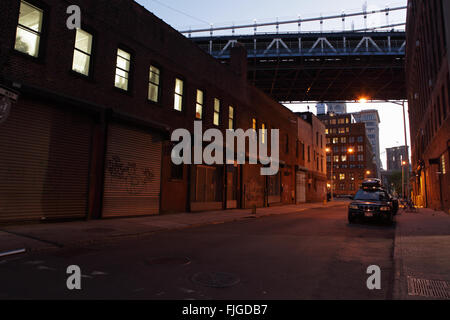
[(369, 195)]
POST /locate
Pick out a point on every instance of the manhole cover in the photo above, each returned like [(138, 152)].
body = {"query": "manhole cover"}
[(216, 279), (428, 288), (174, 261)]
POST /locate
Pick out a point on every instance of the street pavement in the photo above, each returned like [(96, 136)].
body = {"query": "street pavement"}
[(286, 252)]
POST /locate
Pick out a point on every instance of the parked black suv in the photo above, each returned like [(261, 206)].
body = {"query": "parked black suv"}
[(371, 201)]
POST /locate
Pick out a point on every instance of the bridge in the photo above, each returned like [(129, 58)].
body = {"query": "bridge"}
[(318, 66)]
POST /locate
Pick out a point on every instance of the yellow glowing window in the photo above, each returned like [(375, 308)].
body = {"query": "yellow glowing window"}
[(82, 52), (178, 95), (29, 28), (230, 117), (199, 105), (153, 84), (122, 69), (216, 119), (263, 137)]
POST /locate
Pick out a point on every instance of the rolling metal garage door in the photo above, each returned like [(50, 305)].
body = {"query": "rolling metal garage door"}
[(300, 182), (44, 163), (132, 172)]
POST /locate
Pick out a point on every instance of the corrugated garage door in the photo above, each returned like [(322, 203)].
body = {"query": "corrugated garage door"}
[(300, 182), (44, 163), (132, 172)]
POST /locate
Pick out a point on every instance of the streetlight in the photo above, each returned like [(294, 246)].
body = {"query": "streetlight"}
[(402, 103)]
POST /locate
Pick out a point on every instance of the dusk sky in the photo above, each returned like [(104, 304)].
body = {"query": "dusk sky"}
[(196, 14)]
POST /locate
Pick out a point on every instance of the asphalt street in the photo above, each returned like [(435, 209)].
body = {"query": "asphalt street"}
[(313, 254)]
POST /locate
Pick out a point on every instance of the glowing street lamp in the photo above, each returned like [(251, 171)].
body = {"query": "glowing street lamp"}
[(350, 150)]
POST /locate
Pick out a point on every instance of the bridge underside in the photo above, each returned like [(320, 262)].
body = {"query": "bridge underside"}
[(320, 67), (330, 79)]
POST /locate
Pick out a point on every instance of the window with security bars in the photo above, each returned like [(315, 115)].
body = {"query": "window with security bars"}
[(153, 84), (123, 63), (82, 52), (29, 29)]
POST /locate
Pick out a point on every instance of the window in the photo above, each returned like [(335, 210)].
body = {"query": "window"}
[(309, 154), (335, 140), (199, 105), (317, 138), (216, 119), (351, 139), (360, 148), (263, 138), (326, 131), (360, 139), (351, 186), (122, 69), (287, 144), (336, 158), (341, 130), (231, 119), (29, 28), (82, 52), (360, 157), (351, 157), (333, 121), (153, 84), (343, 140), (178, 95), (351, 176), (344, 158), (254, 124), (341, 176), (443, 168), (347, 130)]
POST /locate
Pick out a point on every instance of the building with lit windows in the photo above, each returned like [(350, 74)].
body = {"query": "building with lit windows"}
[(372, 120), (349, 153)]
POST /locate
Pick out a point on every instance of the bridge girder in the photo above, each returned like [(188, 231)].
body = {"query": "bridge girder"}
[(320, 67)]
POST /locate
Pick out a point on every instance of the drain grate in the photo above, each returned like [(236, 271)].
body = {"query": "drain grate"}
[(428, 288), (216, 279), (173, 261)]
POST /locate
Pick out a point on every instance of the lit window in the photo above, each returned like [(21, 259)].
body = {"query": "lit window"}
[(342, 176), (230, 117), (82, 52), (122, 69), (343, 140), (443, 168), (360, 148), (178, 96), (336, 158), (253, 123), (199, 105), (29, 28), (360, 157), (326, 131), (344, 158), (153, 84), (263, 138), (341, 130), (335, 140), (216, 119)]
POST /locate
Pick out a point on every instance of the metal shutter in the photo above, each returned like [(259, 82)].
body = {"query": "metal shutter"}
[(44, 163), (132, 172)]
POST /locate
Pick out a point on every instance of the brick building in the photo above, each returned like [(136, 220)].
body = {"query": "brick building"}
[(89, 135), (394, 158), (350, 152), (311, 178), (427, 67)]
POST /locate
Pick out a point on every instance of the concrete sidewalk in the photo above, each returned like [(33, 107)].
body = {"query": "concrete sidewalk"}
[(34, 237), (422, 255)]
